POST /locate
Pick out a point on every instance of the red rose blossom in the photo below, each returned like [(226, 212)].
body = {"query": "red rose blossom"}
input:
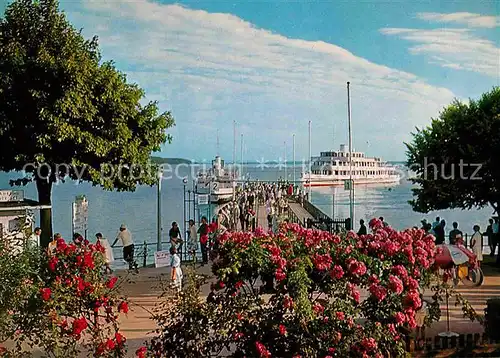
[(141, 352), (46, 293), (110, 344), (53, 263), (111, 283), (282, 329), (79, 325), (123, 307)]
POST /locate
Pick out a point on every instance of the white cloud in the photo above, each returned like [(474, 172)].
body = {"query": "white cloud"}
[(211, 69), (461, 18), (452, 48)]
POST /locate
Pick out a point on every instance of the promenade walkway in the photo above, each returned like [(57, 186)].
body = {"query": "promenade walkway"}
[(144, 290)]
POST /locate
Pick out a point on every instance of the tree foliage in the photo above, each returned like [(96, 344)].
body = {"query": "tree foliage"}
[(64, 112), (456, 158)]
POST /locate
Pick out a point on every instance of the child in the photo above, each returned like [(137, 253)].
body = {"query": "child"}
[(176, 271), (476, 244)]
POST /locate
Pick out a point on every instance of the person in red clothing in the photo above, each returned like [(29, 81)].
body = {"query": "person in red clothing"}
[(203, 232), (290, 190)]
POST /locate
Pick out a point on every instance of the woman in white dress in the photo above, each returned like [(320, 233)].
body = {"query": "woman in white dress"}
[(476, 243), (176, 271), (108, 251)]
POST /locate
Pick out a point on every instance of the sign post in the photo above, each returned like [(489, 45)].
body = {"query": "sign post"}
[(348, 184), (80, 215), (202, 199), (162, 259)]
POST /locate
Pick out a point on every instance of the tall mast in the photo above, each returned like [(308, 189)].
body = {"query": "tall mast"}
[(234, 143), (351, 184), (218, 142)]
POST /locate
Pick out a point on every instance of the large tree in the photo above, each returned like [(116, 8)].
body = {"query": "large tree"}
[(66, 113), (457, 157)]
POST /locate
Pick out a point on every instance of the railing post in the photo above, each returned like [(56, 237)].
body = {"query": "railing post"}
[(145, 259)]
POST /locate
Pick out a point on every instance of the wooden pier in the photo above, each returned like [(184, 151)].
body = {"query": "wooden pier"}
[(298, 214)]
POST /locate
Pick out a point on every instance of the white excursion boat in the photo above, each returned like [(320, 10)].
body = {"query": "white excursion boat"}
[(217, 182), (332, 169)]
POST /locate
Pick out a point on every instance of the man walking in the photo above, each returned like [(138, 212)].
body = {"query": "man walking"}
[(193, 239), (128, 247), (203, 231), (175, 235)]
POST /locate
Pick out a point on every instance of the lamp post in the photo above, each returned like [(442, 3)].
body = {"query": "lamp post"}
[(309, 196), (233, 174), (184, 181), (158, 219), (351, 184), (241, 158), (293, 154)]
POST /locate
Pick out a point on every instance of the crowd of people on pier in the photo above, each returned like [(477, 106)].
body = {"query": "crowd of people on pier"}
[(242, 213)]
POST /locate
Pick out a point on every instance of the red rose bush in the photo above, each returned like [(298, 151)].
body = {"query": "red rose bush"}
[(332, 296), (69, 304)]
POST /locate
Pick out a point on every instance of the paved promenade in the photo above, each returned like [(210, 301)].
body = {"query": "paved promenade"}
[(144, 290)]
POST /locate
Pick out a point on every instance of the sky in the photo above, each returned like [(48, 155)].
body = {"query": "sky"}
[(273, 66)]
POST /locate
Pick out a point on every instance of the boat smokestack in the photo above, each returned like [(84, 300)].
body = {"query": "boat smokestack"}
[(342, 147)]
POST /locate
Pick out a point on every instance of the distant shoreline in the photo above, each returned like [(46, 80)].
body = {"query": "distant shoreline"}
[(160, 160)]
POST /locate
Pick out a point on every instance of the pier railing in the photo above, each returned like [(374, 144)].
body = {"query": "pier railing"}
[(321, 220), (143, 253)]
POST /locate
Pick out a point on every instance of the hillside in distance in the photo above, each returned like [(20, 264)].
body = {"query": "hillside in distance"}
[(160, 160)]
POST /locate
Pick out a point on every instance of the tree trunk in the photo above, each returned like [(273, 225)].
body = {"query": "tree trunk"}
[(44, 188)]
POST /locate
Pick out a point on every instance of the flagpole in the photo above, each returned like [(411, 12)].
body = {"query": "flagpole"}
[(234, 143), (309, 161), (286, 176), (351, 184)]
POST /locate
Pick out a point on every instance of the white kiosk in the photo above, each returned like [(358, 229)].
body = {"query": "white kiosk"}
[(13, 208)]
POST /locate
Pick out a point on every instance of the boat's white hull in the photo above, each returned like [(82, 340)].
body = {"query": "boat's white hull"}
[(216, 195), (334, 180)]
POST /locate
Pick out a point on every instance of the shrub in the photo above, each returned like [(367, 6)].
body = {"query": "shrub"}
[(315, 308), (60, 302)]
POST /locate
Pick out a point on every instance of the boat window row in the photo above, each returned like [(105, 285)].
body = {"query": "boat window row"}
[(342, 154), (354, 164)]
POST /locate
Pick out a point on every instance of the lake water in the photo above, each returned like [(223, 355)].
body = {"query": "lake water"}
[(107, 210)]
